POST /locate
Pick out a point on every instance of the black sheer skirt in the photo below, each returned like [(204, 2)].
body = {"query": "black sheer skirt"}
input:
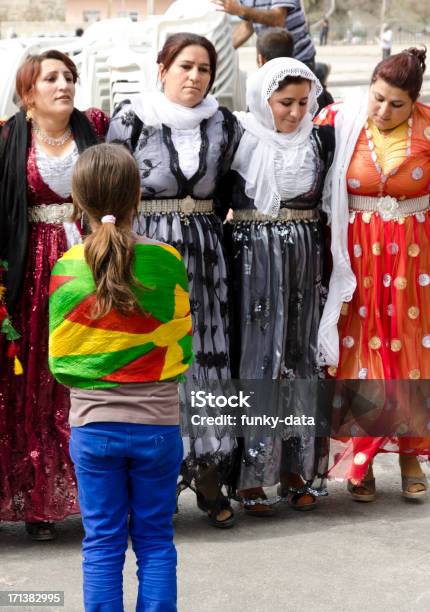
[(280, 285)]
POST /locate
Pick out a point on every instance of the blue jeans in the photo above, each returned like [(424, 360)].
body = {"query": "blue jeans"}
[(127, 470)]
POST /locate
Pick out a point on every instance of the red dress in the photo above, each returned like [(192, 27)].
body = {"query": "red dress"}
[(37, 481), (384, 331)]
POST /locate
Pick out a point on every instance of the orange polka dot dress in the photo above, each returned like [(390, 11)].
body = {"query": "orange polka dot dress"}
[(385, 330)]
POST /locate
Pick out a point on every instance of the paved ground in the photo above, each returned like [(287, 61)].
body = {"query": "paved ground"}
[(343, 556), (351, 66)]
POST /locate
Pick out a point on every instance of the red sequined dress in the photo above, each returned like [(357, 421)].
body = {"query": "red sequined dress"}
[(37, 481), (385, 330)]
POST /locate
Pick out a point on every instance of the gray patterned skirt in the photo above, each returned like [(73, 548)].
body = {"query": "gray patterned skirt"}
[(199, 239)]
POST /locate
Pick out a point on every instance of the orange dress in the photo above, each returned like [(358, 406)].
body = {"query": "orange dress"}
[(385, 330)]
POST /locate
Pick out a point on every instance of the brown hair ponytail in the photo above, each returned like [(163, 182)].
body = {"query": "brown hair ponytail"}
[(106, 181)]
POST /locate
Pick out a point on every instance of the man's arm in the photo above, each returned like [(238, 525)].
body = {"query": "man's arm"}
[(274, 17), (241, 33)]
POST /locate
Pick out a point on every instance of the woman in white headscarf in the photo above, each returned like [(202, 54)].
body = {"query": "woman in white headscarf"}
[(278, 262)]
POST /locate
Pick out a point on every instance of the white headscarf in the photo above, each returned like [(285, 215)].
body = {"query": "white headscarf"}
[(255, 156), (154, 109)]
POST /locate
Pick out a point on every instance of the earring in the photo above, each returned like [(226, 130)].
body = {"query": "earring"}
[(28, 115)]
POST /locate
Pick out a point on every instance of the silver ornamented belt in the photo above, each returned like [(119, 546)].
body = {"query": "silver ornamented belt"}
[(388, 207), (284, 214), (186, 206), (50, 213)]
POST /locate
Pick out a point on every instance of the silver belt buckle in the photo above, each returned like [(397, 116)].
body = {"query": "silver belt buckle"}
[(188, 205), (388, 207), (62, 213)]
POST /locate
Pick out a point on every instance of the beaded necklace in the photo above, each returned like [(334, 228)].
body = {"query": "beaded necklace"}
[(51, 140), (384, 177)]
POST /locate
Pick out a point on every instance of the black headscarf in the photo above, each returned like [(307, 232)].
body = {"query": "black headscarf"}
[(15, 140)]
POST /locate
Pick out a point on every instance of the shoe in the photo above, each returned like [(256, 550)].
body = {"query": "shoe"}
[(363, 492), (407, 481), (293, 488), (213, 508), (41, 531), (181, 486), (294, 499), (257, 509)]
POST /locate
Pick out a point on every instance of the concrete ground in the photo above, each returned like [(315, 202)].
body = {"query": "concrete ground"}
[(342, 556)]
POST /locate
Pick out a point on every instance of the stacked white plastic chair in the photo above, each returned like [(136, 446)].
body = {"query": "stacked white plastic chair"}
[(200, 17), (116, 58), (100, 42), (134, 67)]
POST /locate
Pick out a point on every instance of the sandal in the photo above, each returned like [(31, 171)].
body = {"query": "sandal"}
[(297, 493), (363, 492), (295, 497), (255, 508), (41, 531), (213, 507), (407, 481)]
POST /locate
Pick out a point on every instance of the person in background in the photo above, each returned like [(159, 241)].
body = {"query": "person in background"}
[(386, 41), (322, 72), (120, 336), (258, 15), (39, 146), (272, 43), (324, 30), (277, 42)]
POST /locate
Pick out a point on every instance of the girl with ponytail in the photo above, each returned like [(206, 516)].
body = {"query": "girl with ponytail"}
[(120, 337)]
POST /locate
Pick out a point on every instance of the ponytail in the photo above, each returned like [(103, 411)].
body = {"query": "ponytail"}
[(106, 185), (109, 251)]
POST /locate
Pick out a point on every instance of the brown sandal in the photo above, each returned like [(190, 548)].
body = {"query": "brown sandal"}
[(363, 492), (294, 501), (293, 489)]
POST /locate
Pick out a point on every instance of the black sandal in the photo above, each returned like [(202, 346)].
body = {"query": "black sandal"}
[(181, 486), (213, 507), (295, 497), (41, 531), (255, 506)]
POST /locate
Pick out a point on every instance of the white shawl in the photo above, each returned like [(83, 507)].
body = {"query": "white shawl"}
[(349, 122), (154, 109)]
